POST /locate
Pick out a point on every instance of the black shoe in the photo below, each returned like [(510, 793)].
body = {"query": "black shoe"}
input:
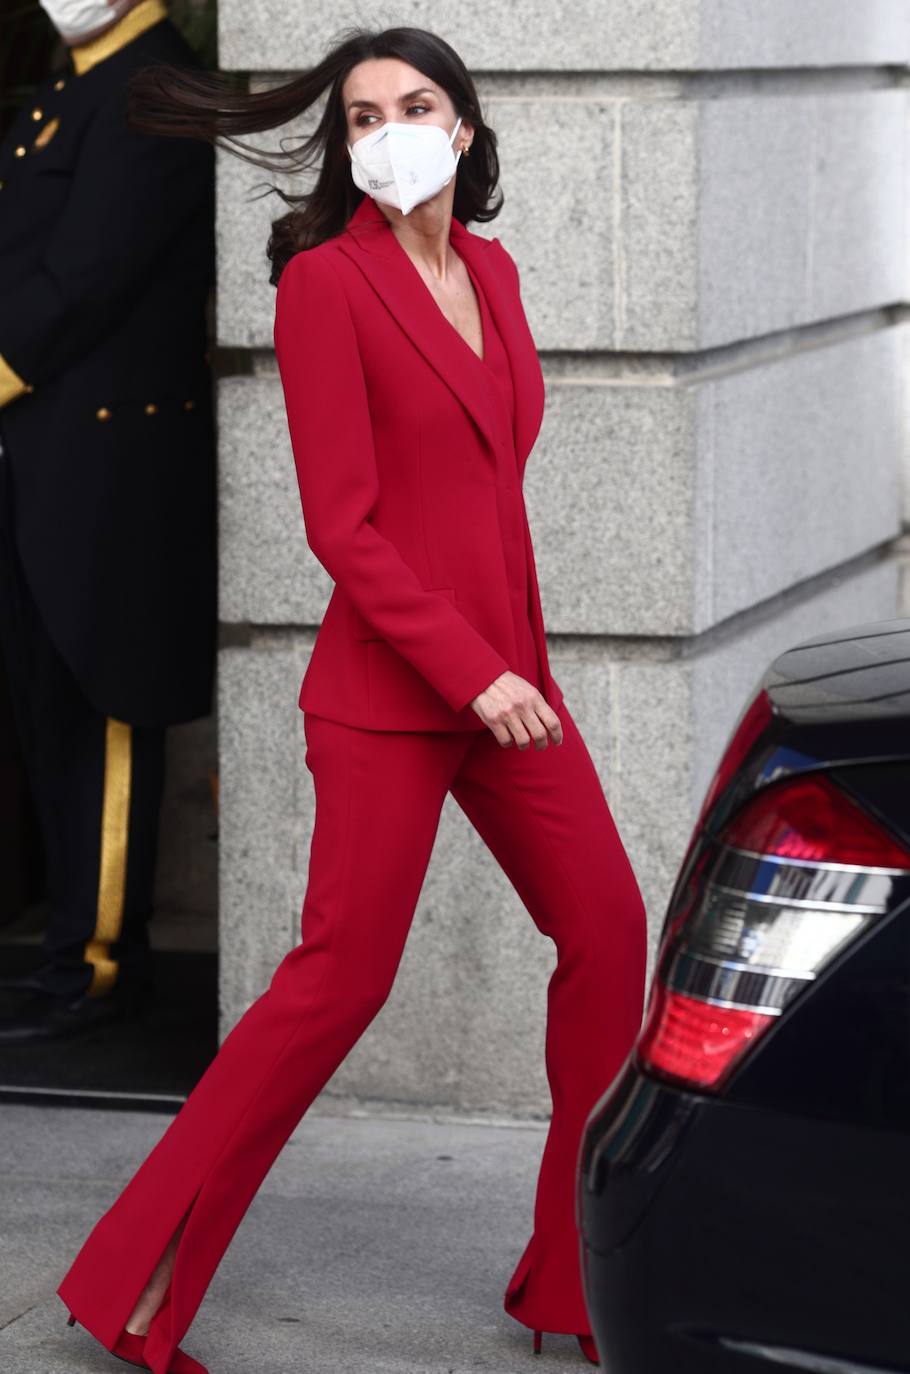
[(45, 1015)]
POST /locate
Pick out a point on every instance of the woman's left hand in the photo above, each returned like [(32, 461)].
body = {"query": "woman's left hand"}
[(517, 713)]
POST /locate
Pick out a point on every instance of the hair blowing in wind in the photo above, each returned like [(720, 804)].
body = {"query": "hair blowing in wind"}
[(215, 106)]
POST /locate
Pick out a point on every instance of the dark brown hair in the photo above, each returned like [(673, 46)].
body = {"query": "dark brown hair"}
[(185, 102)]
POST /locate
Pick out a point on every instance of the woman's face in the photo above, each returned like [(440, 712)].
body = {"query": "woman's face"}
[(385, 89)]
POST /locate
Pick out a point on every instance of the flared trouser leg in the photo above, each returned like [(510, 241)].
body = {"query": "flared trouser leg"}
[(379, 794), (378, 800), (545, 817)]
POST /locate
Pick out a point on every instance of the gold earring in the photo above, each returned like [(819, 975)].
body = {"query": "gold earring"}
[(466, 149)]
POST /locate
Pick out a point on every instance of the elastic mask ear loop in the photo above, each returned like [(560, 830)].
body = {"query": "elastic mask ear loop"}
[(454, 132)]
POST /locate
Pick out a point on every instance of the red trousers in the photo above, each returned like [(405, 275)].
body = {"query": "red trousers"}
[(379, 794)]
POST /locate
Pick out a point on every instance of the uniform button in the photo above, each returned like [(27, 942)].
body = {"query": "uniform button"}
[(102, 413), (20, 151), (151, 408), (37, 114), (189, 405), (1, 185), (58, 85)]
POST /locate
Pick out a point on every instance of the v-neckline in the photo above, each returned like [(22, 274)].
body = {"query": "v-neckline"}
[(481, 306)]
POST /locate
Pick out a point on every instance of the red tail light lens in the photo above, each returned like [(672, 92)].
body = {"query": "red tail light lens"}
[(751, 725), (694, 1040), (812, 819), (797, 874)]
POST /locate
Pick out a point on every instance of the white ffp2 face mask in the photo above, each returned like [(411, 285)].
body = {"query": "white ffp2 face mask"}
[(404, 164), (76, 20)]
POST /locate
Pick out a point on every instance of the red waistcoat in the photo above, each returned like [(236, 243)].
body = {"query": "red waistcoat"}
[(410, 461)]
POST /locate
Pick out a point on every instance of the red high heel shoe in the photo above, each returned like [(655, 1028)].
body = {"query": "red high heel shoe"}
[(130, 1348), (588, 1347)]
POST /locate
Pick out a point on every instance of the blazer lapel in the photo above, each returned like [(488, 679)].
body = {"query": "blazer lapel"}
[(370, 243), (488, 260)]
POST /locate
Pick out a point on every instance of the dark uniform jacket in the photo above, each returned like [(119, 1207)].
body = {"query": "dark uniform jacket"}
[(106, 261)]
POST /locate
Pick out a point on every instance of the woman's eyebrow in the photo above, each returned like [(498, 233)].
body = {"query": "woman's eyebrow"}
[(408, 95)]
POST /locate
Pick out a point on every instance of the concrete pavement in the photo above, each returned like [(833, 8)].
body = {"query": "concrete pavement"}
[(377, 1243)]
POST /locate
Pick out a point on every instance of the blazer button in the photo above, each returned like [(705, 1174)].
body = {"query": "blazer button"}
[(20, 151), (102, 413), (37, 114), (151, 408), (58, 85), (189, 405)]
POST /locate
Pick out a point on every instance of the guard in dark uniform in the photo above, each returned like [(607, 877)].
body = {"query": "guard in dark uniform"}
[(107, 496)]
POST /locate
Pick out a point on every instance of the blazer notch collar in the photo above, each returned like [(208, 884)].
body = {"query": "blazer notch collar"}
[(370, 242)]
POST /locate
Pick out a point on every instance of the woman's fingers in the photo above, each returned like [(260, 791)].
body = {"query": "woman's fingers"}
[(520, 734), (552, 723), (501, 731), (539, 726), (518, 714)]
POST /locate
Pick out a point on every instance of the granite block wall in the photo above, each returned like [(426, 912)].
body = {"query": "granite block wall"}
[(709, 204)]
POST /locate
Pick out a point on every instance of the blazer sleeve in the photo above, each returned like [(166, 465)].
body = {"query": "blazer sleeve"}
[(332, 440), (132, 194)]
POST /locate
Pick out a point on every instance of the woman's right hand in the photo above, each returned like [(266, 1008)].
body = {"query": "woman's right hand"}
[(517, 713)]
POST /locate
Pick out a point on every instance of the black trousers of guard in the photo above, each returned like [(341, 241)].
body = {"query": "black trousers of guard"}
[(97, 784)]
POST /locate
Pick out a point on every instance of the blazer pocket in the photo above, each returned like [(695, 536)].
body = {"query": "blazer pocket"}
[(364, 630)]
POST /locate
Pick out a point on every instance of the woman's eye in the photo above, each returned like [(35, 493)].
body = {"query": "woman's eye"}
[(361, 119)]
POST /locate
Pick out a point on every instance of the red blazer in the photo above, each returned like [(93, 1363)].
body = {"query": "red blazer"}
[(403, 474)]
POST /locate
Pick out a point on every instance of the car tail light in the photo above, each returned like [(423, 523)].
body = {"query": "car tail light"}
[(751, 725), (795, 874)]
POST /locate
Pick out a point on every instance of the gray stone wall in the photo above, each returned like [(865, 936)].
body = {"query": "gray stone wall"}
[(708, 203)]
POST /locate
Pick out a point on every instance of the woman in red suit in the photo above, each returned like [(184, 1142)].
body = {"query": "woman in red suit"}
[(414, 395)]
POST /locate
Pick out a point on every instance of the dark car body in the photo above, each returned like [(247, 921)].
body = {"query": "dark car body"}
[(743, 1187)]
